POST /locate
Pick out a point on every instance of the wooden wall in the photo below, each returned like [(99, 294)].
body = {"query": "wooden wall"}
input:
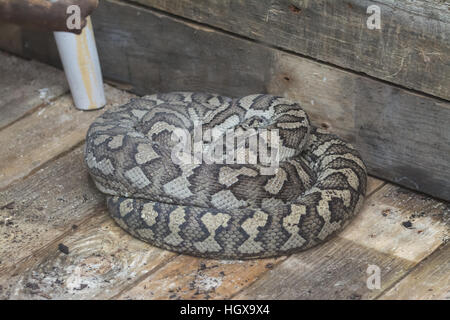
[(385, 90), (412, 47)]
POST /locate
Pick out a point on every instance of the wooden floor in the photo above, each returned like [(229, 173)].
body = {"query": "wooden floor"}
[(58, 242)]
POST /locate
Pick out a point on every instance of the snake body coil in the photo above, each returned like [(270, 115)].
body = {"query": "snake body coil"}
[(220, 210)]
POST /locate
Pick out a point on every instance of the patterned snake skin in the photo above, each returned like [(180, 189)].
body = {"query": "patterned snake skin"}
[(217, 210)]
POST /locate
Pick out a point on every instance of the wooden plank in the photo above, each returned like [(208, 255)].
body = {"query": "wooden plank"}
[(411, 48), (102, 259), (192, 278), (430, 280), (187, 62), (392, 127), (336, 271), (384, 225), (44, 134), (11, 39), (373, 184), (380, 235), (42, 207), (25, 86)]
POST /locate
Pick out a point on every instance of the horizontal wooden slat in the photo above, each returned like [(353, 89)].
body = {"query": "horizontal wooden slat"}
[(384, 224), (101, 261), (335, 271), (430, 280), (46, 133), (26, 86), (412, 47), (192, 278), (403, 137), (380, 236), (42, 207)]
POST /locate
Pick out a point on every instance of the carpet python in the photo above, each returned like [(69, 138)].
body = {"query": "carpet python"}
[(220, 209)]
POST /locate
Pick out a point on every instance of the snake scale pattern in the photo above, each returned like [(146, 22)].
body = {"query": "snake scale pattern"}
[(216, 210)]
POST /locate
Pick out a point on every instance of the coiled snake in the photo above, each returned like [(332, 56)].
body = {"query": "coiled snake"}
[(223, 210)]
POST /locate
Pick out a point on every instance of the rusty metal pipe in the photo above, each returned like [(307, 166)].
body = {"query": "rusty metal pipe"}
[(45, 14)]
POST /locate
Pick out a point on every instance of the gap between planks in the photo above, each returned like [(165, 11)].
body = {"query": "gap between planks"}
[(420, 282), (43, 135)]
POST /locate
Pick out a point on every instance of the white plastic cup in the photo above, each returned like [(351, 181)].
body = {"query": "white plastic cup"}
[(82, 67)]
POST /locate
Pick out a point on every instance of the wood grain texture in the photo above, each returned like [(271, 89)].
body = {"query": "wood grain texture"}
[(26, 86), (430, 280), (384, 224), (101, 261), (335, 270), (46, 133), (378, 236), (411, 48), (403, 136), (194, 59), (192, 278), (47, 204)]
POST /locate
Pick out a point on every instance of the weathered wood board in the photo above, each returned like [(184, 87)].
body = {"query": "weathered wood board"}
[(101, 260), (26, 86), (403, 136), (191, 278), (430, 280), (412, 47), (380, 235), (59, 126), (41, 208)]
